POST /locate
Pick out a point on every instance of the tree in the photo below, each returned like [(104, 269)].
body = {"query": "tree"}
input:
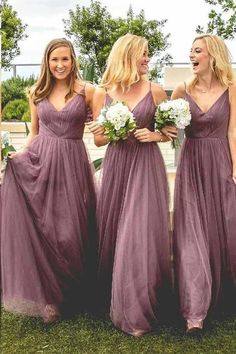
[(222, 19), (12, 31), (94, 31)]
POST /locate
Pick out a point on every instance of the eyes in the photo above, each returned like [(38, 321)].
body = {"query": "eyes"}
[(65, 59), (195, 50)]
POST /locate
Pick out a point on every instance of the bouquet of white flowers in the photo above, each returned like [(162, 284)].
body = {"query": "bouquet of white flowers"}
[(173, 112), (117, 120), (5, 144)]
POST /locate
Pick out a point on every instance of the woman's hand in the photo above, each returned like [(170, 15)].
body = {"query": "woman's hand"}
[(234, 175), (145, 135), (95, 128), (12, 154), (170, 132)]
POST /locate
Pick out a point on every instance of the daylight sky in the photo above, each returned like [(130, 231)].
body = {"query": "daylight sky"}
[(44, 20)]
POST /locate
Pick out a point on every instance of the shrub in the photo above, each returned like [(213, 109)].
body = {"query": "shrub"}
[(15, 109), (15, 88), (26, 116)]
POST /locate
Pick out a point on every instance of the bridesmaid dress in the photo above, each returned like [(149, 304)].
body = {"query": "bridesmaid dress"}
[(205, 212), (134, 268), (48, 215)]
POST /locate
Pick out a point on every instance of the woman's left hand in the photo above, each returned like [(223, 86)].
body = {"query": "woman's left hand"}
[(144, 135), (170, 132)]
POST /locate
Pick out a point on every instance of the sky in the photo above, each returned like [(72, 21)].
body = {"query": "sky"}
[(44, 20)]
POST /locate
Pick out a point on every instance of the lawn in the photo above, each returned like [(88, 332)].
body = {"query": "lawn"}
[(87, 334)]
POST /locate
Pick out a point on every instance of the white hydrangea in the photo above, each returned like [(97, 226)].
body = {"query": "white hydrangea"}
[(5, 137), (118, 115), (178, 110)]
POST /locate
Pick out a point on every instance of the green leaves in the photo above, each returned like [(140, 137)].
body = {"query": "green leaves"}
[(98, 164), (94, 31), (7, 148), (16, 88), (222, 20), (12, 31)]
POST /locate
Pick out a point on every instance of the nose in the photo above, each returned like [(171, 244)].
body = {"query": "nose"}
[(59, 64), (191, 56)]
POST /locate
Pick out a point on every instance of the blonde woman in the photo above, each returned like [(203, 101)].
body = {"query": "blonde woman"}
[(134, 250), (205, 194), (48, 195)]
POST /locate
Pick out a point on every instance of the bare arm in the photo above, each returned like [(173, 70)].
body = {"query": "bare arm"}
[(100, 138), (232, 129), (178, 92), (89, 93)]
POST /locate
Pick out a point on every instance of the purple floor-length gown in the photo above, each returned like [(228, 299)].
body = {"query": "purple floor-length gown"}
[(49, 199), (134, 248), (205, 211)]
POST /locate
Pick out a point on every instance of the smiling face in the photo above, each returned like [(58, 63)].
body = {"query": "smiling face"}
[(142, 63), (199, 57), (60, 63)]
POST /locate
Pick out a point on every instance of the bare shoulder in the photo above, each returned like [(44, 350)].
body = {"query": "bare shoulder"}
[(100, 92), (89, 87), (179, 91), (232, 89), (158, 93)]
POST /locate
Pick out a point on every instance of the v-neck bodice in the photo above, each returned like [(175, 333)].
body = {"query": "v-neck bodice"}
[(143, 110), (213, 123), (67, 123)]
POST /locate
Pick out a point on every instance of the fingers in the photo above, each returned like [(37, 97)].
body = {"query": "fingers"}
[(95, 128), (143, 135), (12, 154), (170, 132)]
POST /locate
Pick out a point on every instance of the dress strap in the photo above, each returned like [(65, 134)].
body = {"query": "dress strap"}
[(82, 91)]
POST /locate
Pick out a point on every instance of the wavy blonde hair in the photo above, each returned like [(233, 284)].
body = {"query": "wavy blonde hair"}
[(43, 87), (121, 71), (220, 60)]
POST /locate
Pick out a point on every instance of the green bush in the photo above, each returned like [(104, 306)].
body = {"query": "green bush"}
[(26, 116), (15, 88), (14, 110)]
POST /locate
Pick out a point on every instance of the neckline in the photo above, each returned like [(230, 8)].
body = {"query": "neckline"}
[(221, 95), (65, 106), (136, 105)]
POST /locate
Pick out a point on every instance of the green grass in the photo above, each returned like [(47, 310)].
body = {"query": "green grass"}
[(87, 334)]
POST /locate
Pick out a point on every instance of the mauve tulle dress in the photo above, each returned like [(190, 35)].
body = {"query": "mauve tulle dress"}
[(134, 248), (49, 209), (205, 212)]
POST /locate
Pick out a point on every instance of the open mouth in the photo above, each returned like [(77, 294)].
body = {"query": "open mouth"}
[(195, 64)]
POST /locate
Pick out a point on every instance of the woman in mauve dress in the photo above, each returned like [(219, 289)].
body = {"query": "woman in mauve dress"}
[(205, 193), (132, 214), (48, 196)]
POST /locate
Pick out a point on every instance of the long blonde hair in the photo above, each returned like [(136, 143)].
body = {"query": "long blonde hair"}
[(44, 84), (121, 71), (220, 60)]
